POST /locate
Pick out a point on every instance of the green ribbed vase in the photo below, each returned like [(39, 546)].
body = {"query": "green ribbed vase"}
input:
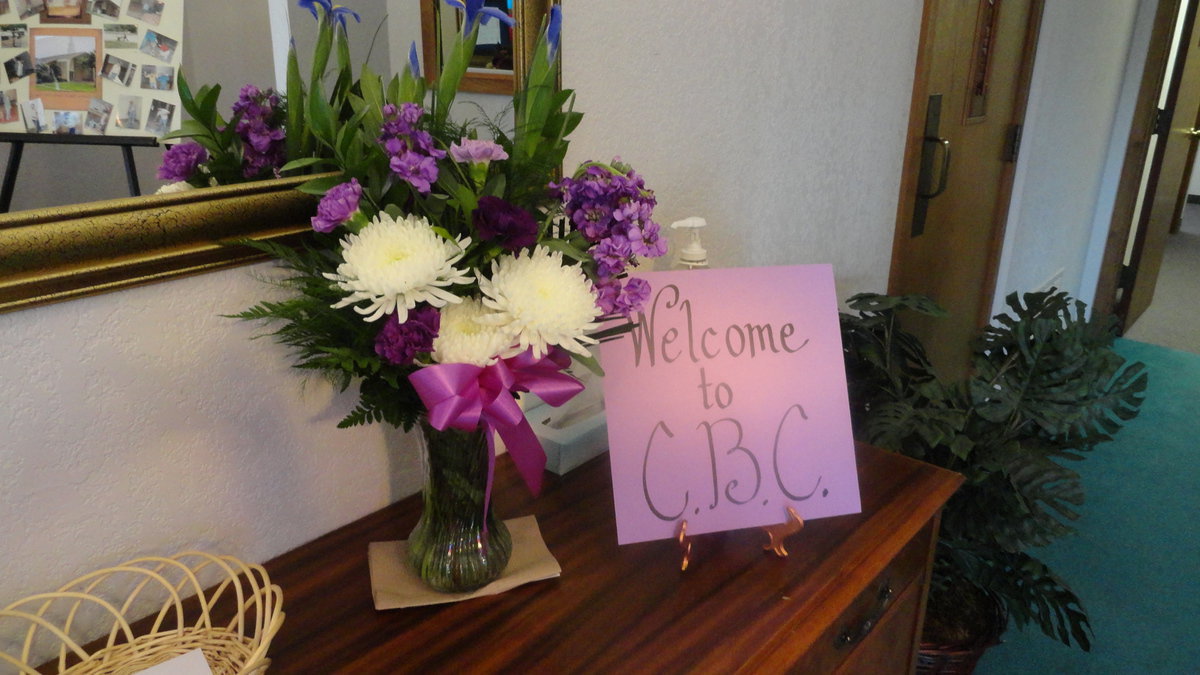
[(450, 549)]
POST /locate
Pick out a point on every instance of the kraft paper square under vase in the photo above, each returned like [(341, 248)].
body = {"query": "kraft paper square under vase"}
[(394, 584)]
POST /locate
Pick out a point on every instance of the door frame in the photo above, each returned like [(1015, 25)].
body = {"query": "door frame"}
[(1110, 283), (914, 143)]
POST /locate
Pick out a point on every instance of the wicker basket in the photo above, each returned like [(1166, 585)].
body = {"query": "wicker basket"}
[(218, 604), (961, 659)]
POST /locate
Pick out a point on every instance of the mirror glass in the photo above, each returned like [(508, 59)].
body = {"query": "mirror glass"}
[(59, 242), (222, 42), (493, 64)]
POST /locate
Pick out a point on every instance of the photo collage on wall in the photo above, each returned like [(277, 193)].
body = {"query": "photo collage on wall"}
[(95, 67)]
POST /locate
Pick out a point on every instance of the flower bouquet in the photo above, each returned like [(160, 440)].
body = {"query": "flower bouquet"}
[(449, 269)]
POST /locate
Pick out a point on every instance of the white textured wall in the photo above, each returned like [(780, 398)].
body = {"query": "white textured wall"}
[(141, 421), (1061, 186), (781, 122)]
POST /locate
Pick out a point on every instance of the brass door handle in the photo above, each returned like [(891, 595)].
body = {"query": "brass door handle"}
[(1194, 133), (944, 174)]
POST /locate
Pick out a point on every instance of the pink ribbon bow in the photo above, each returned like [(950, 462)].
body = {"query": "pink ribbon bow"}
[(461, 396)]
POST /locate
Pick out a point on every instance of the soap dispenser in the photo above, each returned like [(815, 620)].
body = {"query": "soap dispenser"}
[(692, 256)]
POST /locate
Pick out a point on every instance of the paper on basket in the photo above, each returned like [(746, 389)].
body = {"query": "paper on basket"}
[(187, 663)]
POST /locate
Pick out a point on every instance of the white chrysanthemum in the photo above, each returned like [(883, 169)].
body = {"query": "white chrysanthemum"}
[(463, 339), (394, 264), (541, 301), (172, 188)]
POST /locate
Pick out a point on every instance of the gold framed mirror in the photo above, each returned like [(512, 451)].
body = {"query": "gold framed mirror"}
[(54, 254), (492, 72), (59, 253)]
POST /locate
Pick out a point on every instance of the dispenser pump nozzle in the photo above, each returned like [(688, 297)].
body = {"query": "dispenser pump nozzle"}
[(692, 255)]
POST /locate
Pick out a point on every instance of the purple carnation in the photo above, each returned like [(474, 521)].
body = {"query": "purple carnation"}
[(399, 343), (180, 162), (511, 226), (474, 151), (337, 206)]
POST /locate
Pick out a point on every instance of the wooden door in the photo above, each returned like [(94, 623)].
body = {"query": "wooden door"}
[(1166, 189), (969, 100)]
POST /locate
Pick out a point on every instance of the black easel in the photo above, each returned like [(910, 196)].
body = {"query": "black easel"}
[(18, 142)]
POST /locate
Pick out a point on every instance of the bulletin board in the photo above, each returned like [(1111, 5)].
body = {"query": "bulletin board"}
[(90, 67)]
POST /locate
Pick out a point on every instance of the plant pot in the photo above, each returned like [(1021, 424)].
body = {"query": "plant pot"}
[(960, 655), (458, 545)]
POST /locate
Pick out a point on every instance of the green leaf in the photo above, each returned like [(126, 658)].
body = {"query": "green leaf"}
[(566, 249), (321, 50), (298, 136), (206, 104), (185, 94), (304, 162), (321, 116), (454, 67), (319, 186)]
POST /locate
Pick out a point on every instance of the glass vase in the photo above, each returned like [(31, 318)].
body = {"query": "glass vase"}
[(450, 549)]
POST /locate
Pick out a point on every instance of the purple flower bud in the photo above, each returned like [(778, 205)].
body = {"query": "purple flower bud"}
[(511, 226), (338, 205), (399, 343)]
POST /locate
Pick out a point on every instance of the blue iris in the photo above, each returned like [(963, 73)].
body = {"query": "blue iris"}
[(413, 64), (311, 5), (341, 12), (336, 13), (554, 30), (473, 9)]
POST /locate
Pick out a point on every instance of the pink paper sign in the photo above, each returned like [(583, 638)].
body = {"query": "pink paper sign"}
[(728, 403)]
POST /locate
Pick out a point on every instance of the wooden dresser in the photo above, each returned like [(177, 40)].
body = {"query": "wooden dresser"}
[(850, 598)]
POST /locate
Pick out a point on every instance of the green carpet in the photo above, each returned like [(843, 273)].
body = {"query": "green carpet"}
[(1135, 560)]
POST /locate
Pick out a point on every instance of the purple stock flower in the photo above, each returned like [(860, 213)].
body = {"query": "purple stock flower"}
[(613, 297), (399, 343), (611, 255), (411, 153), (337, 206), (418, 170), (475, 151), (260, 127), (180, 162), (474, 9), (612, 204), (511, 226)]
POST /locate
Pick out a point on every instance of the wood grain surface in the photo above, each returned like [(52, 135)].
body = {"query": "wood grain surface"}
[(614, 609)]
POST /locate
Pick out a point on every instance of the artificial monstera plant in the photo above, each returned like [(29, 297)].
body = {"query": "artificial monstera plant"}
[(1045, 389)]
